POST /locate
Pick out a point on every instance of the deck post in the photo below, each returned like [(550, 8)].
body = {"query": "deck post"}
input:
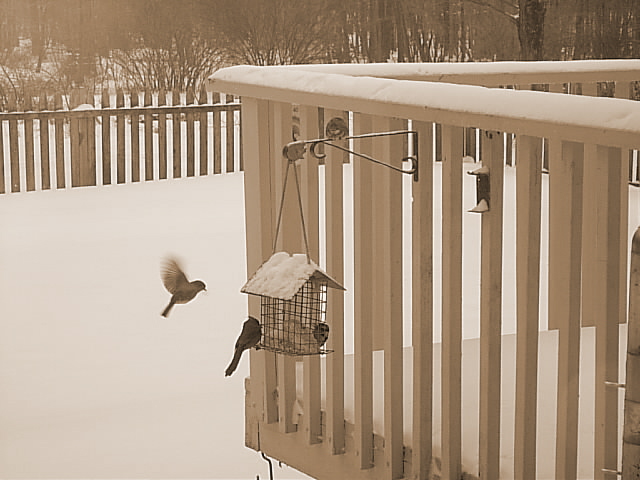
[(631, 435)]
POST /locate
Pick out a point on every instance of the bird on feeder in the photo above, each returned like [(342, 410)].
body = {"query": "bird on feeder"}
[(249, 337)]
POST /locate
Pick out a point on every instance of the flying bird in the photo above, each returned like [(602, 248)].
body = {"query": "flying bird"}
[(321, 333), (177, 284), (249, 337)]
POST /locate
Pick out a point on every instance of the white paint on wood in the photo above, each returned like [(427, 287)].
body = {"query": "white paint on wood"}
[(451, 300), (528, 191)]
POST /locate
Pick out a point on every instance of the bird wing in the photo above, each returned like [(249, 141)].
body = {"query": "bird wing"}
[(173, 277)]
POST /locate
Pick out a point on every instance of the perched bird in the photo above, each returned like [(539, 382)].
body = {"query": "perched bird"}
[(175, 281), (249, 337), (321, 333)]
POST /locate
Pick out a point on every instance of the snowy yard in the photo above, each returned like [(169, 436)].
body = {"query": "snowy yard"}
[(94, 382)]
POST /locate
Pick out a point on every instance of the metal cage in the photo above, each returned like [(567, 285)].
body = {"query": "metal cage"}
[(296, 326)]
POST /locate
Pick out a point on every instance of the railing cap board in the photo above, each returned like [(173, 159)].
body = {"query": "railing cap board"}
[(606, 121), (489, 73)]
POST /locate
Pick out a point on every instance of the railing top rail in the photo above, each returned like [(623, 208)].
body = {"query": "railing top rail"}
[(98, 112), (490, 73), (606, 121)]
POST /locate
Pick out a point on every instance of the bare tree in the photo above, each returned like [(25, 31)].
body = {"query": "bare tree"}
[(277, 32)]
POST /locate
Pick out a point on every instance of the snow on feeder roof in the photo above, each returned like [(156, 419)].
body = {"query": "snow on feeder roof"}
[(283, 275)]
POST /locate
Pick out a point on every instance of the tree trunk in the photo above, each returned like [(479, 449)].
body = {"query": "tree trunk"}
[(531, 29)]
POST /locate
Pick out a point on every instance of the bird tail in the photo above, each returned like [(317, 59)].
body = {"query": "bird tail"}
[(166, 311), (234, 362)]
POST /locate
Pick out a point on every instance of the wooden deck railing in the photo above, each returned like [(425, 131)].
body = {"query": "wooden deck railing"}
[(125, 138), (588, 140)]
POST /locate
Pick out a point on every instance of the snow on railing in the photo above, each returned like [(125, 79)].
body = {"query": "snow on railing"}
[(120, 138), (327, 432)]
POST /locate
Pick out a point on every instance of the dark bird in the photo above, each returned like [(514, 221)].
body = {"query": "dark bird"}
[(249, 337), (175, 281), (321, 333)]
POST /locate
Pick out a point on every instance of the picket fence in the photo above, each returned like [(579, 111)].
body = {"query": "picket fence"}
[(54, 142)]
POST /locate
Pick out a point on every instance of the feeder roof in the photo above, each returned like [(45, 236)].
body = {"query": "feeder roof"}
[(283, 275)]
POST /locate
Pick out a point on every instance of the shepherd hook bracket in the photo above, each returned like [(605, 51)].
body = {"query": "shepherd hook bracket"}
[(337, 130)]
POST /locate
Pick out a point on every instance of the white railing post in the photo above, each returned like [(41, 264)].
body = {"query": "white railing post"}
[(631, 436), (528, 200), (309, 190), (262, 406), (289, 240), (363, 286), (451, 302), (390, 229), (491, 309), (422, 305), (565, 232), (604, 281), (334, 221)]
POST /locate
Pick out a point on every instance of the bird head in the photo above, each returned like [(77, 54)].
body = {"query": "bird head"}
[(199, 284)]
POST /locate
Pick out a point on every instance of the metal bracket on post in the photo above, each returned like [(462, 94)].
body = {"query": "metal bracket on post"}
[(336, 130), (483, 190)]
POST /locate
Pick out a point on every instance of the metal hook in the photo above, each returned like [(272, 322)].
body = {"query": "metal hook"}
[(336, 130), (270, 465)]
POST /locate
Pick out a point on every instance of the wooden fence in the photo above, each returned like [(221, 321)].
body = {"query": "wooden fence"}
[(117, 138), (586, 274)]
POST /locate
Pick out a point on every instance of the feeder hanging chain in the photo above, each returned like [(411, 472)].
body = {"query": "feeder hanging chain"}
[(291, 163)]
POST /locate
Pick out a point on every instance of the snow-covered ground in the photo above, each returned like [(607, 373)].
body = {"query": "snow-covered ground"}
[(94, 383)]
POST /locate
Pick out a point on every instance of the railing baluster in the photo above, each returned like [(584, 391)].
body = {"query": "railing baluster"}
[(259, 227), (422, 304), (106, 139), (290, 240), (59, 132), (363, 256), (565, 222), (30, 170), (2, 168), (335, 298), (217, 137), (451, 302), (604, 279), (162, 136), (491, 310), (230, 136), (177, 135), (45, 160), (390, 213), (191, 161), (309, 187), (528, 199), (14, 151), (149, 167), (135, 138), (120, 140), (203, 123)]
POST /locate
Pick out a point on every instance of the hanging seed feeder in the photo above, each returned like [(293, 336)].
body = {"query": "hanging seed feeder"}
[(292, 289), (293, 294)]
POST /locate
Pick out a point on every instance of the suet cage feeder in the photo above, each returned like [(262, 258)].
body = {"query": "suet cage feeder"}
[(293, 304)]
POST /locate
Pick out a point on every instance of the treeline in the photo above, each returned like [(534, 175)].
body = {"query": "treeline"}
[(176, 44)]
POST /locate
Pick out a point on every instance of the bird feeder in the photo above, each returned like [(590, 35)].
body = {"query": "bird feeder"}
[(293, 293)]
